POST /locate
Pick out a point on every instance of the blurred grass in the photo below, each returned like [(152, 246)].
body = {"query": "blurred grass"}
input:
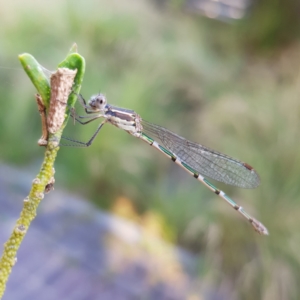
[(202, 79)]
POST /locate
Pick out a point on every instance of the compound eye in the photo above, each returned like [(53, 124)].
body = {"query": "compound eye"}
[(101, 100)]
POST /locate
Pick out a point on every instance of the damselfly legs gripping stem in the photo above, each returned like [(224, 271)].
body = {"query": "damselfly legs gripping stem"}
[(194, 158)]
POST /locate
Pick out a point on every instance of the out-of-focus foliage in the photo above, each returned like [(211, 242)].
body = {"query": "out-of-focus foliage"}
[(271, 25), (267, 26), (192, 75)]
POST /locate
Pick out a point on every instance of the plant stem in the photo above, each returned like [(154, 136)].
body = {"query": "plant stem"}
[(45, 177)]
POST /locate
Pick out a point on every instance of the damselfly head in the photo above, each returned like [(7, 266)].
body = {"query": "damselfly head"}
[(98, 102)]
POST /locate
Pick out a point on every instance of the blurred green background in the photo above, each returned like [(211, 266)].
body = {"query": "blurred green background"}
[(231, 86)]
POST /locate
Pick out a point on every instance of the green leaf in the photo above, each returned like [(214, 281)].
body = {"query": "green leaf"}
[(74, 61), (37, 76)]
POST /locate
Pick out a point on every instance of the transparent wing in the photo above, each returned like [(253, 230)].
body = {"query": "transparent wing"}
[(205, 161)]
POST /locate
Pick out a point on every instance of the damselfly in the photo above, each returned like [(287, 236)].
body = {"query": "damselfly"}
[(194, 158)]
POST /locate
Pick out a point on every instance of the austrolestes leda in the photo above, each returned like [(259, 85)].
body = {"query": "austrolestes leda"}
[(197, 160)]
